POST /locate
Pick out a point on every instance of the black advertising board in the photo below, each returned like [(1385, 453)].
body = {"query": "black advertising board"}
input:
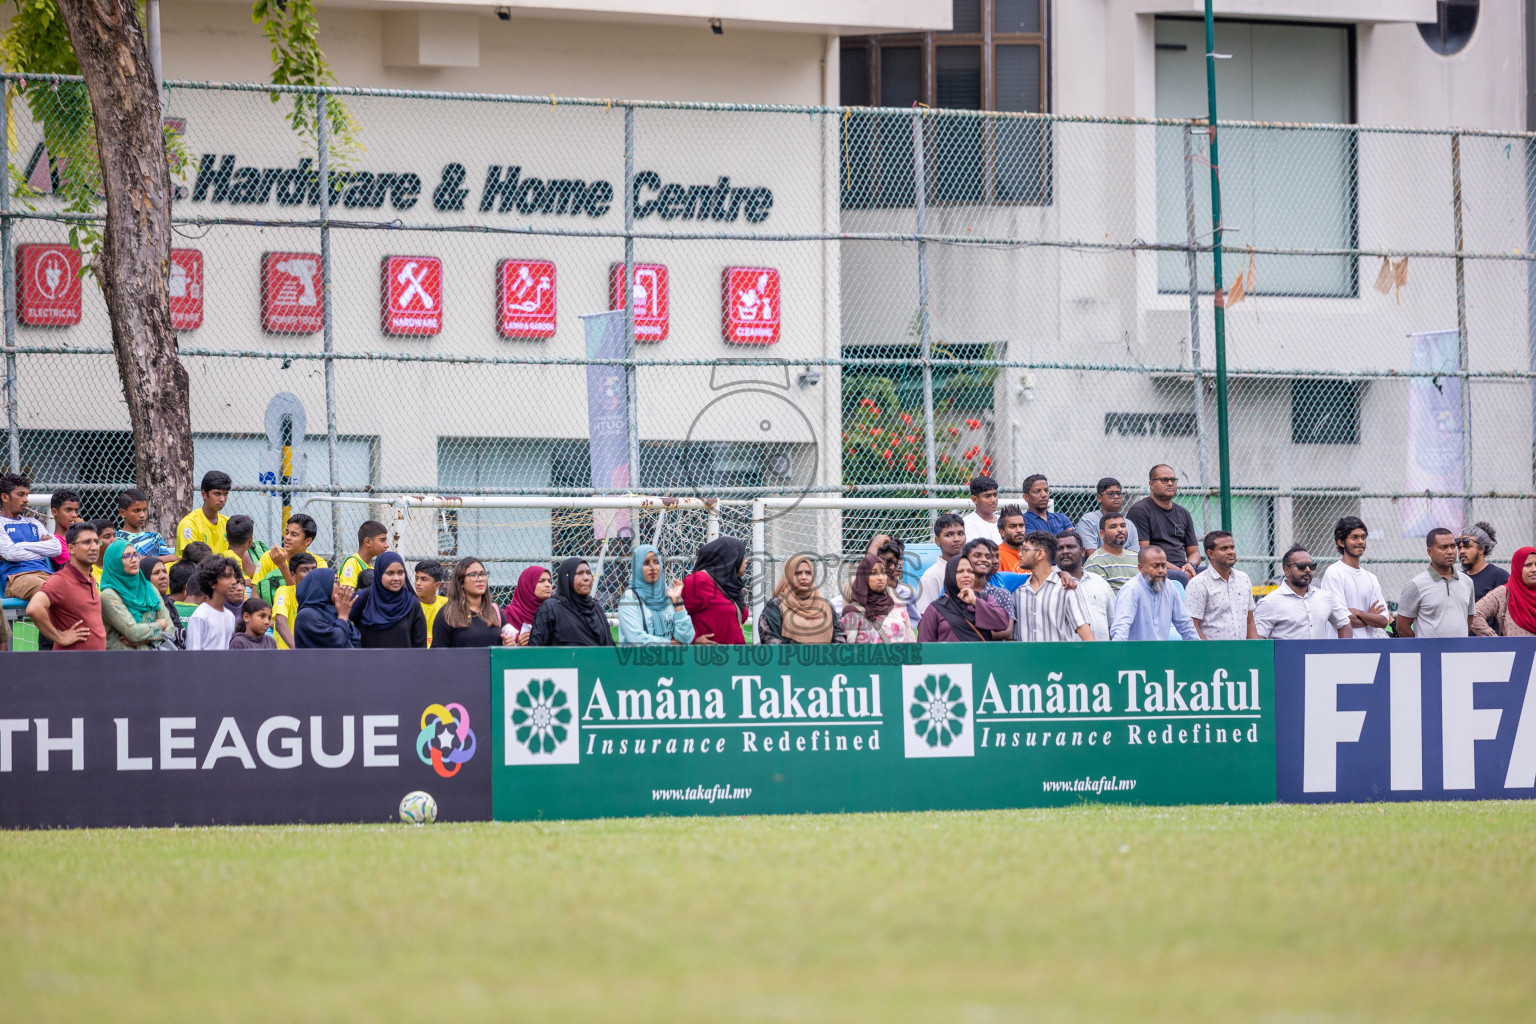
[(255, 737)]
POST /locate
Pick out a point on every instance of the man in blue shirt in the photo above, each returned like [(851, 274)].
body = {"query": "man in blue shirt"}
[(1147, 605), (1037, 495), (26, 547)]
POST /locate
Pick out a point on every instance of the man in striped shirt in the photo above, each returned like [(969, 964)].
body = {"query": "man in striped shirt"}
[(1113, 560), (1044, 610)]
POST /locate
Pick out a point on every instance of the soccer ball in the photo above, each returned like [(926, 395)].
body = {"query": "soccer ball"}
[(418, 808)]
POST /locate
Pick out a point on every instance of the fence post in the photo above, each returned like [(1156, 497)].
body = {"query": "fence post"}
[(632, 410), (1463, 362), (12, 402), (758, 594), (1530, 297), (925, 343), (1219, 318), (328, 318), (1192, 260)]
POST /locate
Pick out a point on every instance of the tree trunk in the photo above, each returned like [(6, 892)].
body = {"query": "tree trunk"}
[(134, 260)]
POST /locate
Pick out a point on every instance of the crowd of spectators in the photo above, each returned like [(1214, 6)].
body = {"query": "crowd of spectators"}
[(1003, 573)]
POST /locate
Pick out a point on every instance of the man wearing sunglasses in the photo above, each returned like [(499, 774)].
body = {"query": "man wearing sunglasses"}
[(1296, 610)]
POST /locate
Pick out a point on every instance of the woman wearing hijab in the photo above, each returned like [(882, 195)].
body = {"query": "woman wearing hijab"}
[(714, 594), (651, 611), (871, 615), (157, 569), (321, 621), (797, 613), (470, 618), (1512, 605), (534, 587), (388, 613), (132, 610), (893, 552), (571, 618), (960, 616)]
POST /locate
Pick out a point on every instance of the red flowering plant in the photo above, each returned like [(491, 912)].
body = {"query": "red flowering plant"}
[(883, 443)]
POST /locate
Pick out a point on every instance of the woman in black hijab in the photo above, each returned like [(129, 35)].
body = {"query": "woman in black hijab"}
[(960, 615), (571, 618), (388, 613), (324, 605), (714, 594)]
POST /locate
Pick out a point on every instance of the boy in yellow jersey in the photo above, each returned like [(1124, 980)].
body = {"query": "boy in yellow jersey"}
[(372, 541), (207, 524), (286, 607), (104, 528), (273, 571), (240, 533), (429, 576)]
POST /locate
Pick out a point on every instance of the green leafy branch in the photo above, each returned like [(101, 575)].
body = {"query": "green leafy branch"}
[(37, 42), (294, 32)]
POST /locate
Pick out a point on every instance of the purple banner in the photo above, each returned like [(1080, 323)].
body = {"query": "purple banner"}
[(1434, 435), (608, 419)]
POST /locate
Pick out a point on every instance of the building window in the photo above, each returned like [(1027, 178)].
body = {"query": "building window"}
[(1325, 412), (993, 59), (1451, 31), (1281, 188)]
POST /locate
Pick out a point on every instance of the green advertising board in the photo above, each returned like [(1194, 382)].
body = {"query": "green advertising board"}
[(619, 732)]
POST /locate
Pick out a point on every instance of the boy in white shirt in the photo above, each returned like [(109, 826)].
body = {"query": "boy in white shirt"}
[(1357, 589), (213, 625), (982, 521), (949, 534)]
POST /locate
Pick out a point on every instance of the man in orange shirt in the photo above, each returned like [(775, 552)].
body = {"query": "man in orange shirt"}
[(1010, 523)]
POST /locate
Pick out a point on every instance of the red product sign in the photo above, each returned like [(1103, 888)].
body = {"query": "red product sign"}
[(652, 298), (526, 299), (751, 315), (291, 297), (49, 292), (413, 295), (184, 285)]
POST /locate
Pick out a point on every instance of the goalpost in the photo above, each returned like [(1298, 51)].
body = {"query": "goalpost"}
[(510, 532)]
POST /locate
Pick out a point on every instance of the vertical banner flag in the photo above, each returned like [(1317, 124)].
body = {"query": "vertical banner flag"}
[(1434, 435), (608, 417)]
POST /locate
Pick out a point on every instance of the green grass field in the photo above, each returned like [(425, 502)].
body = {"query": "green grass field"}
[(1389, 912)]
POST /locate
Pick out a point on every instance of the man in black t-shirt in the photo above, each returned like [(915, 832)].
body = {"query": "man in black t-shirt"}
[(1169, 526), (1474, 546)]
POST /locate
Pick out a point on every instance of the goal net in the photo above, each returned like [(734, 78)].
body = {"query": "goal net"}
[(510, 533)]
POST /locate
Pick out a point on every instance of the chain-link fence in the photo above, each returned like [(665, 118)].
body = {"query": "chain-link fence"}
[(827, 301)]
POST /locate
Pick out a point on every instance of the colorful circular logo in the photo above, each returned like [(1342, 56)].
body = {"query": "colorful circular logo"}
[(446, 741)]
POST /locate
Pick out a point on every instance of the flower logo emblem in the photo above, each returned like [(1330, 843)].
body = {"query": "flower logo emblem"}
[(446, 741), (938, 711), (541, 717)]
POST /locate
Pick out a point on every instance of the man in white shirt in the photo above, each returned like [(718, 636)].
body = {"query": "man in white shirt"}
[(1296, 610), (1097, 595), (1220, 599), (949, 534), (1357, 589), (982, 521)]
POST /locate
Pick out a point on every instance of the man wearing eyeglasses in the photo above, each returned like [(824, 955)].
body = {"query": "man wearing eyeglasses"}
[(1161, 523), (1111, 503), (1296, 610)]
